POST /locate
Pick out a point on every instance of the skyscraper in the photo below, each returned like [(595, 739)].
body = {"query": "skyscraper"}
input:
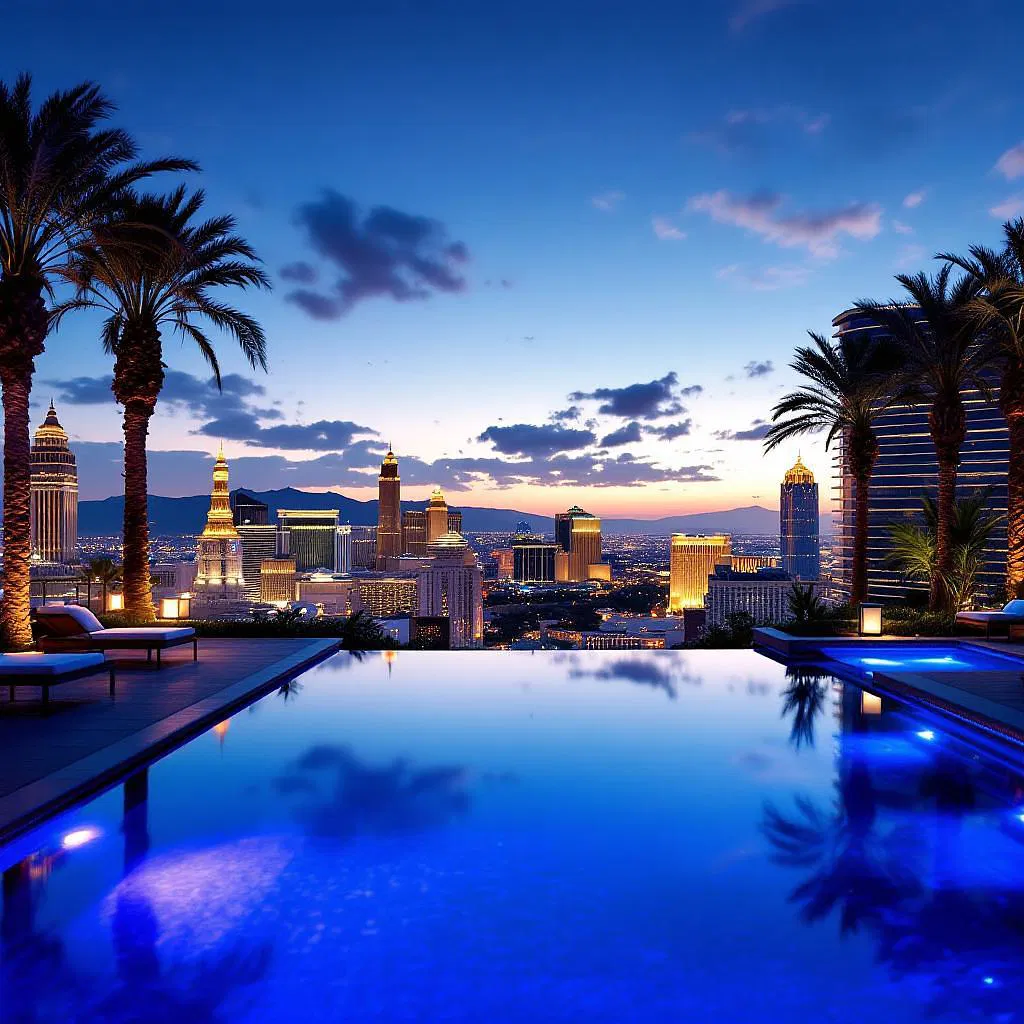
[(249, 511), (798, 523), (364, 547), (278, 581), (414, 533), (219, 585), (454, 521), (578, 534), (451, 586), (343, 548), (259, 542), (533, 560), (437, 516), (692, 559), (389, 509), (311, 537), (54, 493)]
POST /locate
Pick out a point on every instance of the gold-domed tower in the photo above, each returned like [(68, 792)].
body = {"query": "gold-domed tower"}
[(219, 585), (54, 493)]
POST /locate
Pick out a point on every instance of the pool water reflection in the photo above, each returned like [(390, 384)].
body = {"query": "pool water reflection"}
[(656, 836)]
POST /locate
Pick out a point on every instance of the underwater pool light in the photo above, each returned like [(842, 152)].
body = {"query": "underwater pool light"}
[(79, 837), (989, 980), (878, 661), (925, 734)]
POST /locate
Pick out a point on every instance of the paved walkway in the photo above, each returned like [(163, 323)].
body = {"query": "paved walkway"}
[(84, 740)]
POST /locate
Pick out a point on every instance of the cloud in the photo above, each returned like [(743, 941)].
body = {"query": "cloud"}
[(754, 130), (672, 430), (755, 369), (751, 10), (299, 271), (902, 229), (528, 439), (629, 433), (818, 232), (386, 253), (665, 229), (647, 401), (1011, 164), (765, 279), (607, 201), (755, 432), (567, 415), (914, 199), (321, 436), (1012, 206)]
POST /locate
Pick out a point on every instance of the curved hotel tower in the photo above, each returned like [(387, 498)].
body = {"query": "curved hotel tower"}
[(389, 509), (54, 493)]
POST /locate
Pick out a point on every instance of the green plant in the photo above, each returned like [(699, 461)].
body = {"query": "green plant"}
[(736, 632), (805, 606)]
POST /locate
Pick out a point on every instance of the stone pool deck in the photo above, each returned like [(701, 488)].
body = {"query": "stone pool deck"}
[(83, 740)]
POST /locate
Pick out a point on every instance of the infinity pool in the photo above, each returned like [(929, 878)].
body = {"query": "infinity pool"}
[(659, 836), (918, 657)]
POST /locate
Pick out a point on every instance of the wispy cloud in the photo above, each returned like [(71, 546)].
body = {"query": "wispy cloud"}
[(751, 10), (755, 432), (665, 229), (902, 229), (753, 129), (1011, 206), (1011, 164), (817, 231), (914, 199), (755, 369), (607, 201), (764, 279)]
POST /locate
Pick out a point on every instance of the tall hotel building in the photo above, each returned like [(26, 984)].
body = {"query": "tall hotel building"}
[(578, 534), (310, 537), (389, 509), (692, 560), (450, 586), (54, 493), (437, 516), (798, 523), (364, 547), (905, 471), (414, 533), (454, 521)]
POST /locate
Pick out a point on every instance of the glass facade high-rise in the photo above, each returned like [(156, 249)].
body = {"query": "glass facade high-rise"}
[(907, 470), (798, 523), (364, 547), (311, 537), (259, 543), (389, 509), (53, 495), (692, 559), (533, 560), (414, 533), (437, 516), (454, 521), (578, 534)]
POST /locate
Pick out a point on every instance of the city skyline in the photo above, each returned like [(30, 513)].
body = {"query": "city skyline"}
[(639, 295)]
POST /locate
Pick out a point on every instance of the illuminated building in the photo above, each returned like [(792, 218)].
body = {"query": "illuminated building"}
[(259, 542), (430, 633), (454, 521), (312, 537), (331, 595), (533, 560), (343, 549), (751, 563), (905, 471), (578, 534), (798, 523), (763, 595), (388, 595), (601, 571), (277, 581), (249, 511), (504, 560), (692, 559), (364, 547), (451, 586), (561, 565), (414, 533), (54, 493), (389, 509), (437, 516), (219, 587)]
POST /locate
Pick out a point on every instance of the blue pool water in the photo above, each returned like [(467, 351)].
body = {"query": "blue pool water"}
[(607, 837), (917, 657)]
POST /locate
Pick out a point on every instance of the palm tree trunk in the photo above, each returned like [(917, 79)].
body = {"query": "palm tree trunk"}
[(1011, 400), (861, 508), (939, 594), (138, 591), (15, 607)]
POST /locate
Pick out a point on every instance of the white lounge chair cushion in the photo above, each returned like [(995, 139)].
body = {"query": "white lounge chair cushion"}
[(81, 617), (156, 633), (32, 664)]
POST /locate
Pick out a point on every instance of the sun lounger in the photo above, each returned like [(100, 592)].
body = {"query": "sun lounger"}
[(46, 670), (1012, 614), (70, 627)]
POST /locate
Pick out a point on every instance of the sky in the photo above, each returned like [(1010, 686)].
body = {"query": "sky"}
[(553, 253)]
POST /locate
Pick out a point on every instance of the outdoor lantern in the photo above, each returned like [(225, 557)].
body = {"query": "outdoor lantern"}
[(115, 602), (169, 607), (870, 620), (870, 704)]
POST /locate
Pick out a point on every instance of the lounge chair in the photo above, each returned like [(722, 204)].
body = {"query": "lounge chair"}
[(70, 627), (1012, 614), (46, 670)]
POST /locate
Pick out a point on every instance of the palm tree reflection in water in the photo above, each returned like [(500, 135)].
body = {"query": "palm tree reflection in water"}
[(804, 699)]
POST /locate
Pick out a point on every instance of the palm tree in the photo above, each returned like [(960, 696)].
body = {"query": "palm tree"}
[(941, 359), (848, 385), (59, 173), (104, 571), (154, 268), (915, 546)]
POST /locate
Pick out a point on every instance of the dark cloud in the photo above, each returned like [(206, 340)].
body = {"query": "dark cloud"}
[(384, 253), (565, 415), (672, 430), (755, 432), (756, 369), (528, 439), (82, 390), (299, 271), (629, 433), (647, 401), (321, 436)]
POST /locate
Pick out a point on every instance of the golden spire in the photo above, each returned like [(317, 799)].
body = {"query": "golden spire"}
[(799, 474), (219, 520)]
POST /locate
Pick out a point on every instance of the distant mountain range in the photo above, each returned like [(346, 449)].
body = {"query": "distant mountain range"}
[(187, 515)]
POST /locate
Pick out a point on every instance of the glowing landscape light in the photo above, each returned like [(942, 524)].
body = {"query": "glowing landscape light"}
[(79, 837)]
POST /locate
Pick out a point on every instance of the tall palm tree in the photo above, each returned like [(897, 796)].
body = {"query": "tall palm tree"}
[(999, 313), (60, 171), (154, 268), (941, 359), (848, 385)]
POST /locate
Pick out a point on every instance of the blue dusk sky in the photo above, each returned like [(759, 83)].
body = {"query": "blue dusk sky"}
[(554, 252)]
